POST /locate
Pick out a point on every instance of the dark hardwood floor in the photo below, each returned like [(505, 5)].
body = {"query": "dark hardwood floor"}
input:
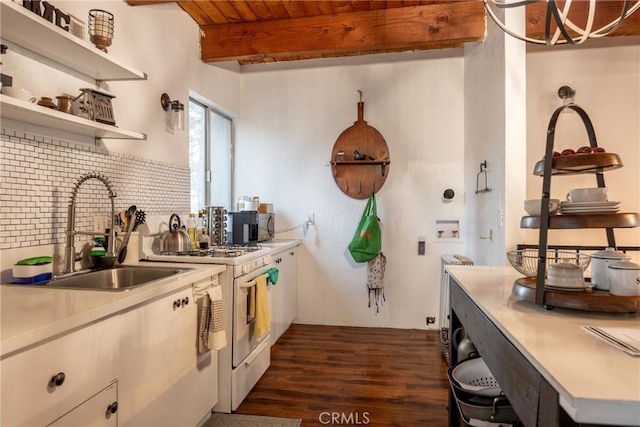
[(329, 375)]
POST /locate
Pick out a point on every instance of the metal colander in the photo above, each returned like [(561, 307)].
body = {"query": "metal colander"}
[(526, 260), (473, 376)]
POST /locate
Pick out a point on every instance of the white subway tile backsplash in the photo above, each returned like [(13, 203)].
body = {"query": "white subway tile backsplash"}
[(38, 173)]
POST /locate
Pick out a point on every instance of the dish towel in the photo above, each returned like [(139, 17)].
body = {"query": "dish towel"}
[(263, 322), (211, 334)]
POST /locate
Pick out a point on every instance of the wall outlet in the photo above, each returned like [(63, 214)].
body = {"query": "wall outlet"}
[(310, 218), (431, 320), (421, 247)]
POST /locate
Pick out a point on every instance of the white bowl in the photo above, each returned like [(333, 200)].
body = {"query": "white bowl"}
[(534, 206), (565, 270), (581, 195), (565, 282)]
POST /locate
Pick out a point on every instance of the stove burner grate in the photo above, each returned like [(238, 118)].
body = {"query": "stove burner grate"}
[(229, 251)]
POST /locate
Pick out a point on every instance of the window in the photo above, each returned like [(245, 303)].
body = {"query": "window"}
[(210, 159)]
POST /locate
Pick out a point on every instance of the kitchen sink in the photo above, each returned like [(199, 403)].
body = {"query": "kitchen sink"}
[(116, 279)]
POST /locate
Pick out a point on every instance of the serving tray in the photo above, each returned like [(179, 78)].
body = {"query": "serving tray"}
[(580, 163), (587, 300)]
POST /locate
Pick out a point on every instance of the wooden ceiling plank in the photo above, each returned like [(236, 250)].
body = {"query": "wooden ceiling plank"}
[(311, 8), (277, 9), (400, 28), (196, 13), (377, 5), (244, 10), (294, 8), (326, 7), (394, 4), (606, 11), (213, 12), (229, 11), (360, 6), (260, 9), (344, 6)]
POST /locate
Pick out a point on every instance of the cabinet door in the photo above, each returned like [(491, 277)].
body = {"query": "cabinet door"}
[(81, 363), (164, 381), (284, 294), (99, 411), (290, 298)]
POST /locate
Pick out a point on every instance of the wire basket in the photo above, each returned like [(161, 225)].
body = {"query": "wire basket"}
[(526, 260)]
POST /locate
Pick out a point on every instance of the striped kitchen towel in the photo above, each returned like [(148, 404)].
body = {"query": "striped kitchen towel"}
[(211, 334)]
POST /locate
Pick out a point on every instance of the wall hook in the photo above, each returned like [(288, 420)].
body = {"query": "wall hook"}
[(482, 176)]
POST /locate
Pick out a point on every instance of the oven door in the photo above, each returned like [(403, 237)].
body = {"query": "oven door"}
[(244, 294)]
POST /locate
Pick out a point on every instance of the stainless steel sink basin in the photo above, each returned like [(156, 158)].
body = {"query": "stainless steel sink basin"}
[(114, 279)]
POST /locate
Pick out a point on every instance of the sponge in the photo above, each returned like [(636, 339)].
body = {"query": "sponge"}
[(33, 270)]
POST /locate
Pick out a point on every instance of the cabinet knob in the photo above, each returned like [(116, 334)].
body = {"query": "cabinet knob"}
[(185, 301), (57, 379), (177, 303), (112, 408)]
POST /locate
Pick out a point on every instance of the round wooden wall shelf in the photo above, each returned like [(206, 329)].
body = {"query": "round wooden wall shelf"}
[(357, 178)]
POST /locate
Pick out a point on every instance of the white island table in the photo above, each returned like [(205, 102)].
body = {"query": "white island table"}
[(553, 372)]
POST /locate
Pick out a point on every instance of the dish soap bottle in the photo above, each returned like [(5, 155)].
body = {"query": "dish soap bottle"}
[(98, 247), (191, 230)]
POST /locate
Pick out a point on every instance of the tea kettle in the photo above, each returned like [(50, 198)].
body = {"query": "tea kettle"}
[(465, 347), (176, 239)]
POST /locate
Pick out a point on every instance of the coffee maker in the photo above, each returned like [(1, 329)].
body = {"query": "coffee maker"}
[(243, 228)]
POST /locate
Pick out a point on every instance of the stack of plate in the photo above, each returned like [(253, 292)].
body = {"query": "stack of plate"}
[(573, 208)]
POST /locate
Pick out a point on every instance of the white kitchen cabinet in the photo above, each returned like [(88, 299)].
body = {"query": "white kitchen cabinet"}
[(284, 295), (81, 363), (23, 29), (100, 410), (163, 380)]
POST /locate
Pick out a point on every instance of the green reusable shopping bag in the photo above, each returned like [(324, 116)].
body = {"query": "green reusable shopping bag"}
[(367, 240)]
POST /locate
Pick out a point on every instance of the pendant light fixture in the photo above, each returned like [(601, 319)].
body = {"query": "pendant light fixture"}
[(557, 16)]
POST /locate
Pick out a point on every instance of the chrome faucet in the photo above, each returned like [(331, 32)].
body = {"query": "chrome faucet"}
[(70, 251)]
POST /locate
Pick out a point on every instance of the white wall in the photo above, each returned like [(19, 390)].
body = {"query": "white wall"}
[(495, 115), (290, 120), (606, 77)]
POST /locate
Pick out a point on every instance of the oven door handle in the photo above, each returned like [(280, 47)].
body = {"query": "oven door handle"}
[(249, 284)]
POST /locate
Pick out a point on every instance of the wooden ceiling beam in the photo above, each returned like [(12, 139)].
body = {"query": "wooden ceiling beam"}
[(403, 28)]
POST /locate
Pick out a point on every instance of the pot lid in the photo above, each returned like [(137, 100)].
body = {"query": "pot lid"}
[(609, 253), (623, 265)]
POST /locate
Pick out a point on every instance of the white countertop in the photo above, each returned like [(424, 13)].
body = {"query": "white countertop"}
[(279, 245), (31, 314), (597, 383)]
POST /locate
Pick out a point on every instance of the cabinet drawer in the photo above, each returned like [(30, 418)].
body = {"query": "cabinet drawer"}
[(83, 361), (100, 410)]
